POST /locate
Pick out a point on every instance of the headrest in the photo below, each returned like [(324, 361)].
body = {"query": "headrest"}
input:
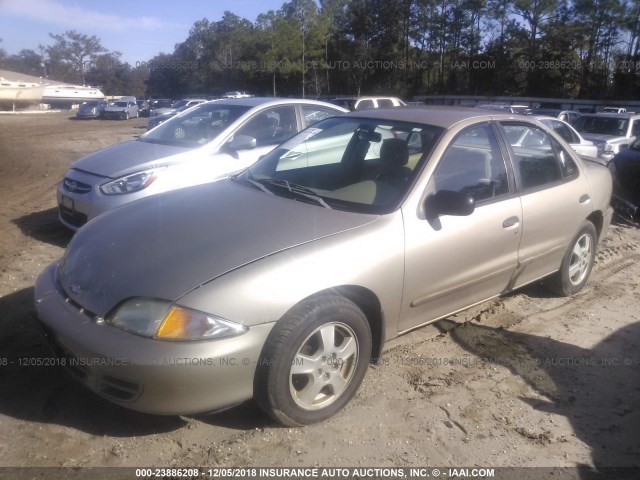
[(394, 151)]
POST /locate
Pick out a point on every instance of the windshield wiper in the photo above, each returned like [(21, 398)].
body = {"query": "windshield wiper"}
[(294, 188), (259, 185)]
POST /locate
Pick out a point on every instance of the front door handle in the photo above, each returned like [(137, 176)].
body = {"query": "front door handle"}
[(584, 198), (511, 222)]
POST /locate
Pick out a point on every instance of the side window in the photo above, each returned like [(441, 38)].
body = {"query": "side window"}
[(313, 114), (635, 130), (385, 103), (271, 126), (473, 165), (364, 104), (533, 154), (568, 167)]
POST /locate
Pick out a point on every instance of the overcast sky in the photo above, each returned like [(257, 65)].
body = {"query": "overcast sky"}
[(139, 29)]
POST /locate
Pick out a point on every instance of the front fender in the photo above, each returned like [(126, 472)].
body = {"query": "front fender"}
[(371, 257)]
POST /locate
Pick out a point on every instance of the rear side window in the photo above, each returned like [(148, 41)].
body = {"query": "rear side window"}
[(385, 103), (473, 165), (364, 104), (534, 155), (313, 114), (568, 167)]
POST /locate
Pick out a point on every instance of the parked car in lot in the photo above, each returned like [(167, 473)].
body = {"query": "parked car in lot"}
[(158, 119), (187, 102), (143, 108), (156, 103), (614, 110), (284, 281), (609, 131), (201, 144), (236, 94), (571, 136), (91, 109), (569, 116), (625, 169), (344, 102), (363, 103), (122, 109)]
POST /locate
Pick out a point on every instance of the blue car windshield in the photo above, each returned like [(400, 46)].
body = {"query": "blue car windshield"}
[(195, 127)]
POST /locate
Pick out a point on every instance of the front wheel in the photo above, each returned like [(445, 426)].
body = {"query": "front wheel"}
[(313, 361), (577, 262)]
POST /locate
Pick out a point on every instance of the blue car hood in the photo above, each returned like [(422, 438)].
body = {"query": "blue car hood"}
[(127, 157)]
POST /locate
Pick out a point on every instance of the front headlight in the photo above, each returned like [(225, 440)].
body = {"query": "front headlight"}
[(130, 183), (163, 320)]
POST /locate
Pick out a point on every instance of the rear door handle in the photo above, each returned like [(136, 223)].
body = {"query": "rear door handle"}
[(584, 198), (511, 222)]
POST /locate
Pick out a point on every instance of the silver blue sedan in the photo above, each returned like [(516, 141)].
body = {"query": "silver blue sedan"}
[(201, 144)]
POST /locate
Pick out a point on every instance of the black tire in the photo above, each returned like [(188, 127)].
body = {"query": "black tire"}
[(577, 262), (294, 394), (126, 115)]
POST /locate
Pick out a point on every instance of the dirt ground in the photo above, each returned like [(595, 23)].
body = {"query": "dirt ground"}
[(529, 380)]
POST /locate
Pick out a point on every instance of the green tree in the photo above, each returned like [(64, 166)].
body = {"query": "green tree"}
[(71, 54)]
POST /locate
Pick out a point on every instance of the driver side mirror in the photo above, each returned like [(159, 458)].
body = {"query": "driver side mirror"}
[(241, 142), (448, 202)]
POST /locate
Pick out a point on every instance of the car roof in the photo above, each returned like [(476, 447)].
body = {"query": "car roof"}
[(255, 101), (443, 117), (612, 115), (375, 97), (547, 117)]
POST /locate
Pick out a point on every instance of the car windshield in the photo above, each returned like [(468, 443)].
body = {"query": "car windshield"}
[(359, 165), (180, 104), (119, 104), (602, 125), (194, 128)]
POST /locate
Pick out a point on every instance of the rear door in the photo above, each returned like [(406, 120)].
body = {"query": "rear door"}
[(555, 199)]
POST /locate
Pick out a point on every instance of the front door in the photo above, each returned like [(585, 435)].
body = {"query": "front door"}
[(452, 262)]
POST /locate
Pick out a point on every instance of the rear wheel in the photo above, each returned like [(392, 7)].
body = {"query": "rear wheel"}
[(313, 361), (577, 262)]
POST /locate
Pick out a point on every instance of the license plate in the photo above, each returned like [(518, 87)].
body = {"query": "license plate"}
[(67, 202)]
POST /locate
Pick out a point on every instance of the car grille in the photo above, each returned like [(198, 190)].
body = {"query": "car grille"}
[(76, 219), (109, 386), (74, 186)]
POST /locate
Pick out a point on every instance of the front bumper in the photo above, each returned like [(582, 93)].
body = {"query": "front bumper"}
[(152, 376), (87, 115), (77, 208), (117, 114)]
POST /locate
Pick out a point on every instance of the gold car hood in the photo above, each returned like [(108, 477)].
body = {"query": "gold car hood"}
[(163, 246)]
